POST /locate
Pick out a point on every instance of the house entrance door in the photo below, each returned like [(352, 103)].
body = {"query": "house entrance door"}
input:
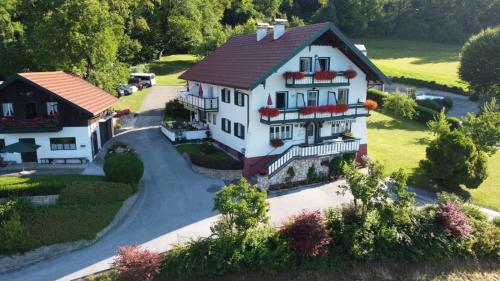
[(29, 157), (310, 133)]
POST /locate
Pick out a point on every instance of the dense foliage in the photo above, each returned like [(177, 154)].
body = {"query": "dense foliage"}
[(136, 264), (386, 230), (242, 206), (99, 39), (479, 60), (452, 159), (401, 105)]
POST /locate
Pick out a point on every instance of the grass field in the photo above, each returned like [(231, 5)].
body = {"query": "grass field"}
[(133, 101), (40, 185), (402, 144), (419, 60), (168, 69)]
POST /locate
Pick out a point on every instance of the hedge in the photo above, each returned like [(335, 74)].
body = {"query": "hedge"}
[(125, 168), (39, 185), (216, 162), (377, 96), (425, 114), (430, 84)]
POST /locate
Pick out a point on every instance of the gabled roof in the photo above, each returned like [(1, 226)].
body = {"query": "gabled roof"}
[(70, 88), (243, 62)]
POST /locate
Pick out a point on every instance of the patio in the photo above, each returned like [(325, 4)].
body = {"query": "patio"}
[(184, 131)]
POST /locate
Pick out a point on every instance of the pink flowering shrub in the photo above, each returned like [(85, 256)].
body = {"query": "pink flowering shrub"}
[(453, 221), (135, 264), (307, 232)]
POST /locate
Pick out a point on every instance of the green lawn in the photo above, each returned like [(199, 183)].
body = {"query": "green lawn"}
[(419, 60), (168, 69), (40, 185), (402, 144), (82, 210), (133, 101)]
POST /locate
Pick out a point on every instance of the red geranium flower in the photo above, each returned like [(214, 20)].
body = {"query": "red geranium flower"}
[(269, 111), (350, 74)]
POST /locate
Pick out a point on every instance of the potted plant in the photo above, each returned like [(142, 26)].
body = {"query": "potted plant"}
[(269, 111), (350, 74), (276, 143), (370, 105), (263, 171)]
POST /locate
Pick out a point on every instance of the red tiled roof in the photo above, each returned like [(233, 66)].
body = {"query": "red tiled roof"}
[(243, 61), (73, 89)]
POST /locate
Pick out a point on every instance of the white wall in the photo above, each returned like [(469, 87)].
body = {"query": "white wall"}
[(258, 135), (83, 143)]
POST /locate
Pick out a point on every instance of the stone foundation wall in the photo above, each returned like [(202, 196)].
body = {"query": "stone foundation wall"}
[(37, 200), (300, 167), (226, 175)]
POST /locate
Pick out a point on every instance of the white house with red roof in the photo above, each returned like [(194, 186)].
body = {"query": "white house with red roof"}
[(68, 117), (284, 97)]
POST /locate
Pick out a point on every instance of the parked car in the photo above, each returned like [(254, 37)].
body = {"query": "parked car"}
[(149, 78), (125, 90), (140, 84)]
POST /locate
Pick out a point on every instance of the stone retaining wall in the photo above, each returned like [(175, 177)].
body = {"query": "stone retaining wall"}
[(225, 175), (36, 200), (300, 167), (14, 262)]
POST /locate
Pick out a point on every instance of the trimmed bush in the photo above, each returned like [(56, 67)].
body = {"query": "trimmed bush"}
[(307, 233), (401, 105), (216, 162), (425, 114), (377, 96), (429, 84), (135, 264), (175, 109), (447, 102), (125, 168), (432, 104)]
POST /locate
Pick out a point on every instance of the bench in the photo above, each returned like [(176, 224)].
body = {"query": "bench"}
[(82, 160)]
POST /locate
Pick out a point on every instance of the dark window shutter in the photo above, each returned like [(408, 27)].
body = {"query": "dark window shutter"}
[(228, 126), (242, 132), (223, 124), (236, 129)]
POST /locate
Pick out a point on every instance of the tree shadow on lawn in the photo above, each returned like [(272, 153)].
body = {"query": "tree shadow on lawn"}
[(418, 179), (395, 124), (169, 67)]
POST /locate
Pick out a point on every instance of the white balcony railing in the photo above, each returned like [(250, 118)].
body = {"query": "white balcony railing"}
[(196, 102), (309, 80), (297, 151)]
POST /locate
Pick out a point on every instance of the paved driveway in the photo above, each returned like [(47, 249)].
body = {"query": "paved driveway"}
[(174, 204)]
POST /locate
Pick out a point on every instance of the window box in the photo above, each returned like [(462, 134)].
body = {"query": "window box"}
[(277, 143), (325, 75), (297, 75), (269, 111), (350, 74)]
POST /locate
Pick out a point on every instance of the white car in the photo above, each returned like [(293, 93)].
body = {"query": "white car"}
[(125, 90)]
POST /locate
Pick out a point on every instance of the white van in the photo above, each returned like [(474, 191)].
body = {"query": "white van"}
[(147, 77)]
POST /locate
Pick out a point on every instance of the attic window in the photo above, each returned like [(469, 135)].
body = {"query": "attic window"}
[(52, 108), (322, 64)]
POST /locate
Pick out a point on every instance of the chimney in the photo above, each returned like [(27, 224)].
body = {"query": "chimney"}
[(262, 30), (279, 28)]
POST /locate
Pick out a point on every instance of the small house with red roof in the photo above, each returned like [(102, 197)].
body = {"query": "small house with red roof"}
[(68, 117), (284, 98)]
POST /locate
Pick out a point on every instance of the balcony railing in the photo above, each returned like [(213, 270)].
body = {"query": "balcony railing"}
[(310, 81), (324, 149), (36, 125), (294, 115), (195, 102)]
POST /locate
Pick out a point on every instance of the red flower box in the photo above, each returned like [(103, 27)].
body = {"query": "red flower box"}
[(276, 143), (341, 108), (308, 110), (370, 104), (269, 111), (39, 119), (294, 75), (263, 171), (350, 74), (325, 75)]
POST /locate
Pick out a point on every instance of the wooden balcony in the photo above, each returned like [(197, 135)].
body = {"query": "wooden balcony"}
[(36, 125), (309, 81), (194, 102), (322, 149), (293, 115)]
